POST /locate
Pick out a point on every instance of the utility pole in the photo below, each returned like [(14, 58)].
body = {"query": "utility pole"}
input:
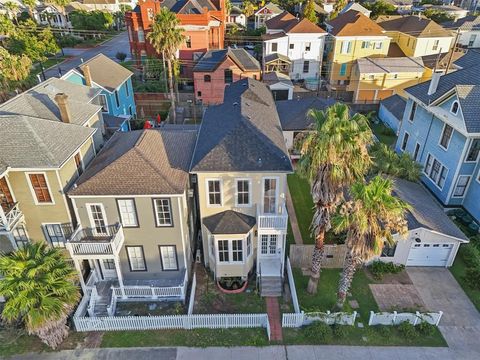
[(453, 50)]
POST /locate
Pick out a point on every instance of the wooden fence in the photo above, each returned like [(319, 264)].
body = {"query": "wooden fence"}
[(386, 318), (299, 319), (301, 256)]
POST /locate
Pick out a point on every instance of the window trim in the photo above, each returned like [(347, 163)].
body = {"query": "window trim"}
[(306, 62), (276, 46), (441, 137), (465, 188), (468, 152), (106, 104), (161, 258), (230, 251), (117, 98), (442, 166), (47, 236), (143, 256), (207, 192), (405, 138), (225, 76), (458, 107), (277, 190), (90, 217), (413, 111), (416, 151), (249, 192), (155, 214), (120, 213), (32, 191), (207, 76)]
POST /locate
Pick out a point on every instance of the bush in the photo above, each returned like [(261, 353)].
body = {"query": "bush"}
[(425, 328), (472, 277), (318, 330), (471, 255), (121, 56), (341, 331), (379, 268), (407, 330), (384, 331), (67, 41)]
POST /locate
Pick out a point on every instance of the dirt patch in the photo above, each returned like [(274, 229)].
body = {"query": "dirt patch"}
[(93, 340), (390, 297)]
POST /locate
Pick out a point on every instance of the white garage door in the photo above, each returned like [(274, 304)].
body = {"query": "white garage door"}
[(429, 254)]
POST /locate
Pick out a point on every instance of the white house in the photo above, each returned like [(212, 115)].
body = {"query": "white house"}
[(236, 16), (469, 28), (280, 85), (357, 7), (108, 5), (269, 11), (51, 14), (432, 240), (293, 46)]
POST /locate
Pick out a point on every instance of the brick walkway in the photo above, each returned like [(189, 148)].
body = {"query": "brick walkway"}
[(273, 311), (297, 235)]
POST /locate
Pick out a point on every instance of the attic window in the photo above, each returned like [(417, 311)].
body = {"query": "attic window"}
[(454, 108)]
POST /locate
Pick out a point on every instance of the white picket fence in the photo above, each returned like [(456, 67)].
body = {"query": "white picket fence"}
[(292, 320), (387, 318), (293, 290), (192, 294)]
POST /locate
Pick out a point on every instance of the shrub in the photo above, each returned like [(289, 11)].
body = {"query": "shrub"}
[(425, 328), (384, 331), (471, 255), (341, 331), (318, 330), (121, 56), (472, 277), (379, 268), (407, 330)]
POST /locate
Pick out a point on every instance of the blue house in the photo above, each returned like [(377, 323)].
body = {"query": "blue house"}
[(115, 81), (441, 130)]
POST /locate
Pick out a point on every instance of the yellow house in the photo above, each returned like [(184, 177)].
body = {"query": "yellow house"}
[(49, 135), (374, 79), (417, 36), (352, 36)]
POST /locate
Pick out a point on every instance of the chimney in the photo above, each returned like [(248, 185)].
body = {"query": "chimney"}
[(87, 75), (62, 102), (434, 82)]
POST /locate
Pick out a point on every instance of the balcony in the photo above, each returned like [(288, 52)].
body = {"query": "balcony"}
[(10, 216), (90, 242), (277, 221)]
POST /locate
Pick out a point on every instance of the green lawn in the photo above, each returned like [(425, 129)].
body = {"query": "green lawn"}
[(47, 64), (303, 204), (384, 133), (458, 271)]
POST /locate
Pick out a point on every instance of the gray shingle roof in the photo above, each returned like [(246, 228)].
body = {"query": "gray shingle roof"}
[(471, 58), (106, 72), (242, 134), (425, 211), (213, 58), (229, 222), (419, 27), (471, 22), (28, 142), (293, 113), (140, 162), (277, 56), (469, 97), (275, 77), (390, 65), (396, 105)]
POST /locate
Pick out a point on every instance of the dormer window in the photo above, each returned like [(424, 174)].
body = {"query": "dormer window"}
[(454, 108)]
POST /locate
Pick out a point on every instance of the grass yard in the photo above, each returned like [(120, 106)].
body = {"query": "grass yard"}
[(47, 64), (303, 204), (384, 133), (458, 271)]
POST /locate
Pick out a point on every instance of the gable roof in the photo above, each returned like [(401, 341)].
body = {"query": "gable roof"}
[(271, 7), (293, 113), (370, 65), (469, 59), (468, 23), (213, 58), (416, 26), (354, 23), (140, 162), (395, 104), (188, 6), (275, 77), (425, 211), (30, 142), (106, 72), (288, 23), (229, 222), (356, 7), (242, 134)]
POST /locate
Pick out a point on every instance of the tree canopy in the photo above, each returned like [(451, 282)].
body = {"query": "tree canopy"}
[(91, 20), (379, 8), (309, 12)]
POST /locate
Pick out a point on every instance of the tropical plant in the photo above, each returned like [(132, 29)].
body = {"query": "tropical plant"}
[(40, 292), (248, 8), (309, 12), (387, 161), (371, 217), (333, 156), (166, 37)]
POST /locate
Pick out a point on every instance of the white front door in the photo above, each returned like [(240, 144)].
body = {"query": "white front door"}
[(107, 268), (270, 245), (429, 254)]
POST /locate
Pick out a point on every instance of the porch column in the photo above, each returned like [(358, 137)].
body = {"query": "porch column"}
[(119, 276), (12, 241), (79, 269)]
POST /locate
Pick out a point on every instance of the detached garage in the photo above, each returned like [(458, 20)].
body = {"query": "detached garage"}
[(433, 239)]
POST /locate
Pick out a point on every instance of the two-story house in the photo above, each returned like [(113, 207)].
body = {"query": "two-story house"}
[(265, 13), (136, 219), (241, 166), (293, 46), (203, 22), (441, 130), (219, 68), (469, 30), (115, 82), (416, 35), (352, 36), (45, 144)]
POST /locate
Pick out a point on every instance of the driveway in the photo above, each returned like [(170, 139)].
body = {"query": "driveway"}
[(109, 48), (460, 324)]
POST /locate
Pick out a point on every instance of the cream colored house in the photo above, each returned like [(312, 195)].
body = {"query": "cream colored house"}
[(241, 166), (49, 135)]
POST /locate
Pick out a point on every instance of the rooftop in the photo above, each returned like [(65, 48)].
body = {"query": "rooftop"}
[(189, 6), (288, 23), (229, 222), (416, 26), (213, 58), (275, 77), (395, 104), (471, 22), (471, 58), (293, 113), (355, 7), (387, 65), (270, 8), (106, 72), (354, 23)]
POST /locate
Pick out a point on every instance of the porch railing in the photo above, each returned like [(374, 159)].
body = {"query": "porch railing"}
[(89, 242), (9, 217), (273, 221)]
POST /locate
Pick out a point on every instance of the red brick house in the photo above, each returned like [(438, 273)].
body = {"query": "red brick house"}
[(219, 68), (203, 22)]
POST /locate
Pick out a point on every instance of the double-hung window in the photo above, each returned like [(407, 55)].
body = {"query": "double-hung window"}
[(412, 111), (306, 66), (223, 252), (435, 45), (54, 234), (243, 192), (405, 141), (473, 151), (117, 99), (346, 47), (435, 171), (40, 188), (128, 213), (237, 250), (163, 212), (136, 258), (461, 186), (230, 251), (228, 74), (168, 257), (417, 150), (214, 194), (274, 47), (446, 136), (308, 46), (20, 236)]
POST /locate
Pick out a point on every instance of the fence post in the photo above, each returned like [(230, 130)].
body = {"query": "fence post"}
[(417, 316), (440, 314), (394, 317), (355, 317), (370, 320)]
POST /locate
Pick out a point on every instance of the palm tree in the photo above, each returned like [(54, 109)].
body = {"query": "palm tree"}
[(387, 161), (40, 291), (333, 156), (166, 37), (371, 217)]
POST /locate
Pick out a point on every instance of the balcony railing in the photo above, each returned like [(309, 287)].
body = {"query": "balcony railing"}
[(273, 221), (9, 217), (89, 241)]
